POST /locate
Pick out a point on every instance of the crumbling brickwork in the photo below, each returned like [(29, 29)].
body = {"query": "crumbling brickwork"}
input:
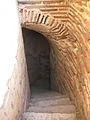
[(67, 24)]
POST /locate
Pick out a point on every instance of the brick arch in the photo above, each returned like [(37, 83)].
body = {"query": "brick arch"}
[(67, 51), (53, 30), (43, 23)]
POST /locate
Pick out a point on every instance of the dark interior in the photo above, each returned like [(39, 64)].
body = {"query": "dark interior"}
[(37, 52)]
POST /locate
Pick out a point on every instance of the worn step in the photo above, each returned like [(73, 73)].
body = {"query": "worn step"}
[(52, 97), (38, 92), (53, 109), (49, 105), (48, 116), (50, 102), (47, 95)]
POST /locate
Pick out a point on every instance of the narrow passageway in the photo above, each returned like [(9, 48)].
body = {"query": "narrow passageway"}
[(37, 52), (45, 72), (45, 104)]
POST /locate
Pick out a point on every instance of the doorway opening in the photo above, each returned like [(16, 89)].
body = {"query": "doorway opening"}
[(44, 99), (37, 52)]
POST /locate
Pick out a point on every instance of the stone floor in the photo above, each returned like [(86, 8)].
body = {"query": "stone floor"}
[(49, 105)]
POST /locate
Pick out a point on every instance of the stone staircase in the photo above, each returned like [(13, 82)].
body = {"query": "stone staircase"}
[(50, 106)]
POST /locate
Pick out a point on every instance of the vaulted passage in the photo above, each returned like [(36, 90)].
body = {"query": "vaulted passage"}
[(46, 99), (49, 50), (37, 52)]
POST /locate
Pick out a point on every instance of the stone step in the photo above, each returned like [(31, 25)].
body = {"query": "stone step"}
[(49, 105), (53, 109), (52, 97), (38, 92), (48, 116), (41, 95), (44, 93), (50, 102)]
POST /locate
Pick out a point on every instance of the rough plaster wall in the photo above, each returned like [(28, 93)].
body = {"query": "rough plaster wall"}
[(18, 93), (37, 56)]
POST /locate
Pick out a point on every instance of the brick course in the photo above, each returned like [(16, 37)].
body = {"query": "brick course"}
[(67, 24)]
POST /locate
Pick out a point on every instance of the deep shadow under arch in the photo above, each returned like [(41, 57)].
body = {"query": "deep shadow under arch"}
[(37, 52)]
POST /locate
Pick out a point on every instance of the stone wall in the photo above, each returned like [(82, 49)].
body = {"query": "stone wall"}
[(18, 92), (14, 89)]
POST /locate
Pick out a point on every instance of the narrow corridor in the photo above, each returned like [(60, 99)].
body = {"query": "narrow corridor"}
[(37, 52), (45, 104), (45, 60)]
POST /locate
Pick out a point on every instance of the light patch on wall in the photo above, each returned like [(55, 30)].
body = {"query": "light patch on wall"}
[(9, 29)]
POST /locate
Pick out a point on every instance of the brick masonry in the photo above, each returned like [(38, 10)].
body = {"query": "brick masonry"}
[(66, 25)]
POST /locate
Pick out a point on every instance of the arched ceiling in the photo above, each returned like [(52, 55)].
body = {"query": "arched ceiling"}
[(66, 25)]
